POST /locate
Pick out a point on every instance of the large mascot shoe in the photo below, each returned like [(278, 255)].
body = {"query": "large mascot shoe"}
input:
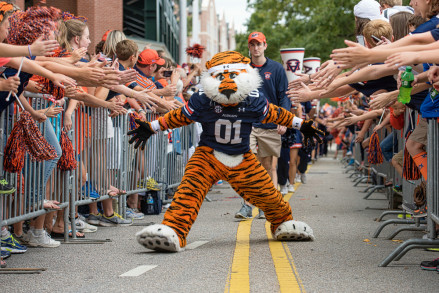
[(293, 230), (159, 237)]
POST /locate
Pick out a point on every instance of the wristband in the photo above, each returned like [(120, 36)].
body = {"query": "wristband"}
[(30, 52), (155, 125), (297, 122)]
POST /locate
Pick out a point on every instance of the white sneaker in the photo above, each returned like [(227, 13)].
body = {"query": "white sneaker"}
[(298, 178), (291, 188), (283, 189), (132, 214), (84, 227), (303, 178), (42, 240)]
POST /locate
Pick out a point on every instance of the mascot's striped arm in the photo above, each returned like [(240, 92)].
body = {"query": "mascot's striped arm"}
[(174, 119), (278, 115)]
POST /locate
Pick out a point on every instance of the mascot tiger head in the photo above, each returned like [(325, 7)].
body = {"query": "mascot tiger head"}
[(229, 78)]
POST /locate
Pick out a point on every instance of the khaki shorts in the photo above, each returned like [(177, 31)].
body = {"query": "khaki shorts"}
[(420, 133), (265, 142), (399, 157)]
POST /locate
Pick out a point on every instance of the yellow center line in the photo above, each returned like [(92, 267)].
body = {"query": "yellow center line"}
[(239, 278)]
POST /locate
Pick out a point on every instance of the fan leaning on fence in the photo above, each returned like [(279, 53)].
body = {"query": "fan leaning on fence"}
[(226, 107)]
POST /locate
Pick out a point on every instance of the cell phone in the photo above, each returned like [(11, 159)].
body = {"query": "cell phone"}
[(167, 73), (375, 38)]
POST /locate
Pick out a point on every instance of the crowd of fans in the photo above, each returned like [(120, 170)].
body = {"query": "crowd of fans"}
[(46, 51), (365, 78)]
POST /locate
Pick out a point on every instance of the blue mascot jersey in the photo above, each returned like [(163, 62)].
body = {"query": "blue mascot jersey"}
[(227, 129)]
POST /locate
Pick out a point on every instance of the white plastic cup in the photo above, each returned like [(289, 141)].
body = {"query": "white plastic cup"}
[(311, 65), (292, 59)]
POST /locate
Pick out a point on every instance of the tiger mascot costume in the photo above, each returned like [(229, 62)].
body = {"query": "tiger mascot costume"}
[(226, 106)]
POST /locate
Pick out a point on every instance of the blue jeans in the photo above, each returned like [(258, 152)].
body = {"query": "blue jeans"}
[(387, 146), (48, 166)]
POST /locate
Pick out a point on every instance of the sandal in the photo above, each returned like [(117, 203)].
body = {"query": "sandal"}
[(56, 235)]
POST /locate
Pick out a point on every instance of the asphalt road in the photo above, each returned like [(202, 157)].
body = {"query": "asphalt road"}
[(343, 258)]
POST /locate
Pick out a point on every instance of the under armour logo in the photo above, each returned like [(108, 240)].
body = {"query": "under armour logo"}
[(241, 109)]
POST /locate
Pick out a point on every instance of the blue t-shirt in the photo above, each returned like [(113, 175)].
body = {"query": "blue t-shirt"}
[(113, 94), (369, 87), (227, 129), (428, 107), (427, 26), (274, 86), (24, 80)]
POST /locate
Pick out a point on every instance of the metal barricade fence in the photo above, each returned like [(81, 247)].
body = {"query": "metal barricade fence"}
[(104, 159), (433, 175), (31, 192)]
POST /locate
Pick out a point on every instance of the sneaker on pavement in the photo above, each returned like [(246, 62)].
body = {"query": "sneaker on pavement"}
[(42, 240), (5, 254), (23, 239), (283, 189), (291, 188), (261, 214), (245, 212), (12, 245), (94, 219), (303, 178), (84, 227), (298, 180), (132, 214), (5, 187), (409, 207), (430, 265), (114, 221), (420, 212)]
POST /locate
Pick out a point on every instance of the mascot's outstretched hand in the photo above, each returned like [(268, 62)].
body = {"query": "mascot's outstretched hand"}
[(310, 132), (141, 134)]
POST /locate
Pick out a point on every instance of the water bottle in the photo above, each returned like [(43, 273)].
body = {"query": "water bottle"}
[(406, 86), (150, 205)]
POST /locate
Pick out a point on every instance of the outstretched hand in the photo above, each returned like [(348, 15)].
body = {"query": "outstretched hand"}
[(141, 134), (310, 132)]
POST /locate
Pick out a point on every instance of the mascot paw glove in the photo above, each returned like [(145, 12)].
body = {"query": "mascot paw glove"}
[(310, 132), (141, 134)]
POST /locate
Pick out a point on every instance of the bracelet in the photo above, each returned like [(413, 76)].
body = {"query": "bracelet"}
[(30, 52)]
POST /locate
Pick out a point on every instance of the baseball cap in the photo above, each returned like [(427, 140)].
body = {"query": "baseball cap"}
[(368, 9), (150, 56), (258, 36)]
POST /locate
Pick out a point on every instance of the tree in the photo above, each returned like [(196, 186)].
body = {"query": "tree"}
[(319, 26)]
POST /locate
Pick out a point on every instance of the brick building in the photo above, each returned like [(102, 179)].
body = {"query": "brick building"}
[(148, 22), (101, 14), (211, 30)]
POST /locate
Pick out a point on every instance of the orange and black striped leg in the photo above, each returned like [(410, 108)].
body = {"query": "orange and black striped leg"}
[(202, 171), (252, 182)]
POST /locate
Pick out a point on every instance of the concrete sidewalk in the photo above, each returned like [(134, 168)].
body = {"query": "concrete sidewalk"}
[(345, 257)]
